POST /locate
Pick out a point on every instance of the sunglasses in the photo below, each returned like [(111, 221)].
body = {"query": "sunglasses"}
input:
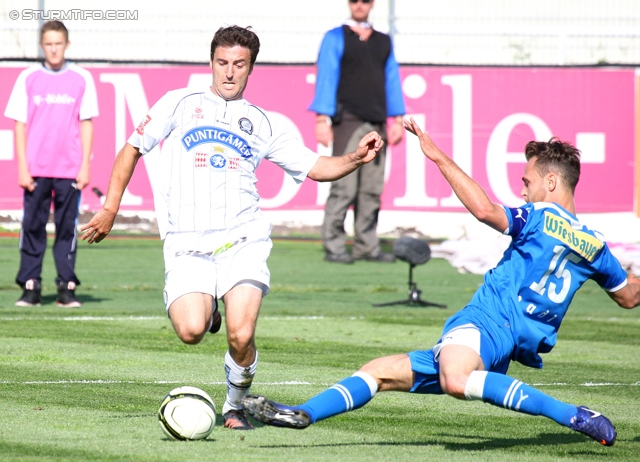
[(356, 1)]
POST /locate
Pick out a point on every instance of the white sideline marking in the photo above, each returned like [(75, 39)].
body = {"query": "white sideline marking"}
[(155, 382), (145, 318), (611, 319), (270, 318), (112, 318), (305, 318), (588, 384), (83, 318), (292, 318), (292, 382)]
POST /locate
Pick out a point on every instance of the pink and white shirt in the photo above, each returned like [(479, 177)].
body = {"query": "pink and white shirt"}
[(52, 104)]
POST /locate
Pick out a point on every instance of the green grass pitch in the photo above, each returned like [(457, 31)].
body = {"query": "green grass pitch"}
[(85, 383)]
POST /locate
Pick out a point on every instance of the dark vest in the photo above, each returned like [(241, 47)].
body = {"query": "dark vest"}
[(361, 90)]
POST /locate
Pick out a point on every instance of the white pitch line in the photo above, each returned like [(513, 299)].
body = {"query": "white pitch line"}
[(292, 318), (612, 319), (83, 318), (155, 382), (269, 318), (147, 318), (292, 382), (588, 384), (113, 318)]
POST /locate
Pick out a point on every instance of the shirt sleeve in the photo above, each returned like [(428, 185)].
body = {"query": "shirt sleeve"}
[(89, 105), (393, 88), (155, 126), (18, 100), (517, 219), (289, 153), (610, 275), (328, 73)]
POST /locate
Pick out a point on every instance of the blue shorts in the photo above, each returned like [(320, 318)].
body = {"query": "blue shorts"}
[(495, 347)]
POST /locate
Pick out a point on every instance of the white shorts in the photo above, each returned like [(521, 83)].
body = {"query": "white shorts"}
[(213, 262), (466, 335)]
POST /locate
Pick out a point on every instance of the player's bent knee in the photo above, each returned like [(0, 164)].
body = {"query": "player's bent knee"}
[(190, 338), (190, 316), (191, 334), (240, 341)]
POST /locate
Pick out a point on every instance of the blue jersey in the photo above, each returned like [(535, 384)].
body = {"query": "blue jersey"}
[(551, 255)]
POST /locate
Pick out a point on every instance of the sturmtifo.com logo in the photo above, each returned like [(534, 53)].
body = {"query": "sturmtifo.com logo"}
[(76, 14)]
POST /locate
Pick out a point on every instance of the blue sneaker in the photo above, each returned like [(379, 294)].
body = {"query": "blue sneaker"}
[(272, 413), (595, 425)]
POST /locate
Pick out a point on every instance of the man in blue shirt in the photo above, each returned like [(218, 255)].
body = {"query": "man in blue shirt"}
[(357, 89), (514, 315)]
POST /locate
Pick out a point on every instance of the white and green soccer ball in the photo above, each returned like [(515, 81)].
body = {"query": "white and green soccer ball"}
[(187, 413)]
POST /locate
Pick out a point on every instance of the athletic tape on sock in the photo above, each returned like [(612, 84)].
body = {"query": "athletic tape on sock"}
[(373, 385), (475, 385)]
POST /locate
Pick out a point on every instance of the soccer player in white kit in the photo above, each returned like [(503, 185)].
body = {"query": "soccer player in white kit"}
[(216, 239)]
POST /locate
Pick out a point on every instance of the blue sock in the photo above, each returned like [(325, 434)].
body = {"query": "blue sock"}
[(509, 393), (347, 395)]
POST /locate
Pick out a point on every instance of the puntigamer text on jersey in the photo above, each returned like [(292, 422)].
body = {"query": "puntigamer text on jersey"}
[(207, 134)]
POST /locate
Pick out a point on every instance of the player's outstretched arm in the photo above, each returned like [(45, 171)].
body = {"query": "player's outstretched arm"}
[(334, 168), (102, 222), (468, 191), (629, 296)]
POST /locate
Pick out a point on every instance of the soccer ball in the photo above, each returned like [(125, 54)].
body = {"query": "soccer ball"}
[(187, 413)]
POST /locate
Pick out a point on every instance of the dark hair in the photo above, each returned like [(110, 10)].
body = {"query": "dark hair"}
[(228, 37), (57, 26), (558, 157)]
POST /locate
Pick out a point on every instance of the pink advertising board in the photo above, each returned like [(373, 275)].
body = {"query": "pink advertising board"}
[(482, 117)]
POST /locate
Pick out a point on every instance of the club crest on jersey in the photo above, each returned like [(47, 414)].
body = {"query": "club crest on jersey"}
[(245, 125), (207, 134), (217, 161)]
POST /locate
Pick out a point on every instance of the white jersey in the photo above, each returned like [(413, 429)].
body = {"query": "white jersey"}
[(206, 173)]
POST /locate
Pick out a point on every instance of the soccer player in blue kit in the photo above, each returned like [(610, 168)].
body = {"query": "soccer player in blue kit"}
[(515, 315)]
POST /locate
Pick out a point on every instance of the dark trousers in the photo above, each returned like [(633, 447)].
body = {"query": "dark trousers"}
[(361, 189), (33, 236)]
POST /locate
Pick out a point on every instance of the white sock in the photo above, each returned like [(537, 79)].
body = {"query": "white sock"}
[(239, 381), (373, 385), (475, 385)]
